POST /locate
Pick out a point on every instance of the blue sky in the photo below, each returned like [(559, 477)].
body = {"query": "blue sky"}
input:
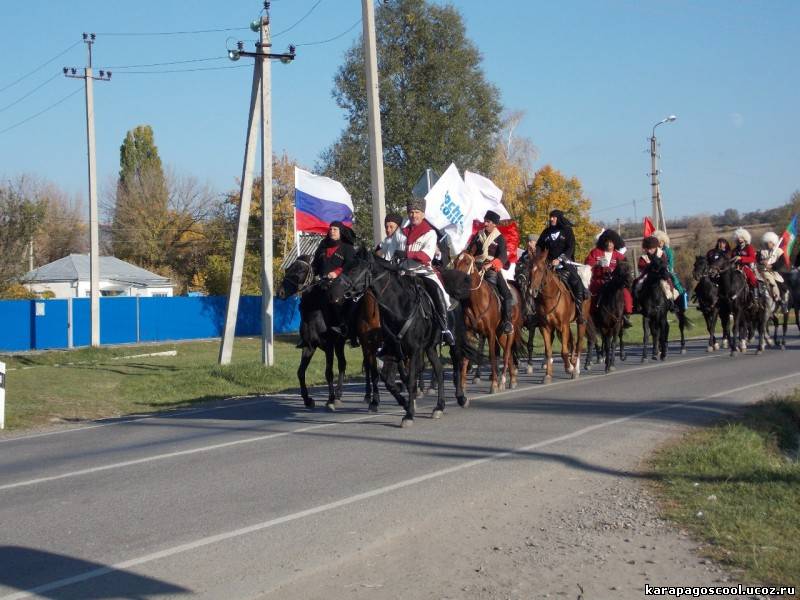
[(592, 76)]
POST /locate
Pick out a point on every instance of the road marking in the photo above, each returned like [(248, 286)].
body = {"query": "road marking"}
[(221, 537), (533, 389)]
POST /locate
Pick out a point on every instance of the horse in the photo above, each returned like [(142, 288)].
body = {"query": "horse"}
[(607, 315), (654, 307), (792, 281), (555, 311), (776, 314), (528, 310), (706, 294), (316, 320), (483, 316), (749, 315)]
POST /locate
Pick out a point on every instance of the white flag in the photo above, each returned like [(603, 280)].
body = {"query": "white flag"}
[(486, 196), (449, 207)]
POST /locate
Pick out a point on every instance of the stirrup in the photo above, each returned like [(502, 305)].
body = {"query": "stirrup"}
[(508, 327), (447, 337)]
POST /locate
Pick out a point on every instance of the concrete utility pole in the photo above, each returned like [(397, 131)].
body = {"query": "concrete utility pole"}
[(94, 233), (657, 210), (260, 115), (374, 121)]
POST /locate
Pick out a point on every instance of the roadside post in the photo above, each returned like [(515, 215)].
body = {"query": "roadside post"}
[(2, 395)]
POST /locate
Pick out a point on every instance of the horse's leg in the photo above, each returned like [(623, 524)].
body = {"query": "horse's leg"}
[(682, 327), (567, 346), (785, 327), (436, 367), (492, 341), (645, 326), (531, 335), (305, 359), (341, 364), (547, 340), (329, 352), (411, 405), (476, 378), (580, 333), (389, 375), (459, 370), (664, 346), (621, 335), (591, 342)]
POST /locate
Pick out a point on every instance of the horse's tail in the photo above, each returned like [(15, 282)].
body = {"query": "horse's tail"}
[(684, 321), (463, 345)]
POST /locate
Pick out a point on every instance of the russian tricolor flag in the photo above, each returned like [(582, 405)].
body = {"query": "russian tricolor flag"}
[(318, 201)]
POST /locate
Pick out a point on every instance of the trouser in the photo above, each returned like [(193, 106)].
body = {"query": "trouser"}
[(497, 280), (771, 279), (570, 275), (750, 276), (440, 298)]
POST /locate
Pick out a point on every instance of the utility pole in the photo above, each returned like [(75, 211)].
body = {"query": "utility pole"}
[(260, 116), (30, 254), (373, 120), (619, 225), (657, 210), (94, 234)]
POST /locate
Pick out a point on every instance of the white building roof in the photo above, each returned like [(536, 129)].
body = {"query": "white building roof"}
[(75, 267)]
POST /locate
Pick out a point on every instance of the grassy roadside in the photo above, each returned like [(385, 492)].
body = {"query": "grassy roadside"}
[(737, 486), (77, 385)]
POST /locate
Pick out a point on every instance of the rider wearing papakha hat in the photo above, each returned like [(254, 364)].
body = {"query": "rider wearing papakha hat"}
[(559, 241), (394, 236), (772, 259), (419, 244), (488, 246), (654, 259), (663, 243), (744, 255), (603, 259)]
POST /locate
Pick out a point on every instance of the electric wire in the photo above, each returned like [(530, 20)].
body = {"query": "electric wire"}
[(163, 64), (157, 33), (41, 66), (34, 90), (334, 38), (157, 71), (41, 112), (296, 23)]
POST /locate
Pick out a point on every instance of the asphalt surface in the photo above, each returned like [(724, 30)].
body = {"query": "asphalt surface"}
[(250, 498)]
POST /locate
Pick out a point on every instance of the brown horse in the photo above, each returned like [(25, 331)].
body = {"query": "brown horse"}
[(482, 316), (555, 310)]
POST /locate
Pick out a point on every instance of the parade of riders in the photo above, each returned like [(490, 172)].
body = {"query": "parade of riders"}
[(603, 260), (490, 250), (558, 241)]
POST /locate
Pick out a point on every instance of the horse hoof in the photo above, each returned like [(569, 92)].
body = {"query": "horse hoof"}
[(330, 406), (406, 422), (431, 391), (337, 403), (783, 346), (623, 357), (367, 400), (716, 346), (724, 343), (758, 352), (493, 389), (548, 379), (437, 413), (373, 408), (529, 370), (513, 385), (683, 350), (463, 401), (309, 403), (476, 380), (709, 348), (576, 374)]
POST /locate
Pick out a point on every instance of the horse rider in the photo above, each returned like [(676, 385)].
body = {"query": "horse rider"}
[(420, 245), (334, 254), (394, 236), (488, 246), (773, 263), (663, 243), (654, 259), (744, 256), (603, 259), (722, 249), (530, 249), (559, 241)]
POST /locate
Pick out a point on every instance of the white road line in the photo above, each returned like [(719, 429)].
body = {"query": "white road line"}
[(534, 389), (221, 537)]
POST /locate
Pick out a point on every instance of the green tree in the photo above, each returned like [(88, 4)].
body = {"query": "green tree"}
[(20, 218), (435, 103)]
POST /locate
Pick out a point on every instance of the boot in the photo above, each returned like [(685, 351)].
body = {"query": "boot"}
[(441, 313), (579, 309), (508, 327)]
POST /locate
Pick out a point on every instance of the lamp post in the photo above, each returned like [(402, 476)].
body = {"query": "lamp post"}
[(658, 212)]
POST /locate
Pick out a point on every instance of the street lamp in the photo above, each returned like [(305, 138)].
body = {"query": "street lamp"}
[(658, 212)]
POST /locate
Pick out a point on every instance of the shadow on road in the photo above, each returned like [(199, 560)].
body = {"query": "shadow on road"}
[(25, 569)]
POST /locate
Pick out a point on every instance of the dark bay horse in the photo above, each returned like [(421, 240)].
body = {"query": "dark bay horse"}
[(654, 308), (706, 294), (607, 315), (483, 316), (555, 311), (748, 314), (316, 320)]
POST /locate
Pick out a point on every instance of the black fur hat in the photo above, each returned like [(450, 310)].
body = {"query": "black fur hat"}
[(492, 216), (415, 203), (650, 242), (393, 218), (610, 234)]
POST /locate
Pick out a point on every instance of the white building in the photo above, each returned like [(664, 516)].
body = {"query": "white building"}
[(68, 277)]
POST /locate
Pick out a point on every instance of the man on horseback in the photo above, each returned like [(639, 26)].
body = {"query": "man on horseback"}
[(722, 249), (772, 264), (420, 245), (334, 254), (663, 244), (559, 241), (744, 256), (489, 248), (603, 259), (394, 239), (654, 260)]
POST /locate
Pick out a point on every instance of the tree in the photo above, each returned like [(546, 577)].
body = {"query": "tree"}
[(436, 106), (20, 218), (63, 229), (513, 171), (551, 190), (700, 237)]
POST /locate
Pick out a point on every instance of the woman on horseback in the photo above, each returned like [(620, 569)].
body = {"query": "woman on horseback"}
[(559, 242), (772, 259), (334, 254), (654, 259), (489, 248), (722, 249), (663, 243), (603, 259), (744, 256)]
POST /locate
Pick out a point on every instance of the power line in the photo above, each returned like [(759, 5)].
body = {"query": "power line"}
[(157, 71), (41, 66), (154, 33), (163, 64), (296, 23), (336, 37), (41, 112), (37, 88)]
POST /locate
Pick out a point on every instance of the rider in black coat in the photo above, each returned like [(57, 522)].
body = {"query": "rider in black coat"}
[(559, 241), (335, 254)]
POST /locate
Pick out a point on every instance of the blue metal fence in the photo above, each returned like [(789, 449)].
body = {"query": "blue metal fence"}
[(43, 324)]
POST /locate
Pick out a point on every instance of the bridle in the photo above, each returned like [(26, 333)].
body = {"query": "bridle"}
[(308, 281), (539, 289), (472, 269)]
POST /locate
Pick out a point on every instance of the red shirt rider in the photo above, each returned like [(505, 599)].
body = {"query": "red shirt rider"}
[(745, 256), (603, 259)]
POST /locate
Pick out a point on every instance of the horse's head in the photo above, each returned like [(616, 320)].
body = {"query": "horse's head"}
[(718, 266), (297, 278), (623, 273), (465, 263), (700, 267), (352, 283), (538, 270)]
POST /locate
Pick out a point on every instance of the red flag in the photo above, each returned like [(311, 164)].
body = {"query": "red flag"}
[(510, 231), (647, 227)]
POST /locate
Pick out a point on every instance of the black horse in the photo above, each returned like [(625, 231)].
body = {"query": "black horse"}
[(607, 316), (529, 320), (748, 313), (792, 281), (316, 319), (409, 329), (654, 307), (706, 294)]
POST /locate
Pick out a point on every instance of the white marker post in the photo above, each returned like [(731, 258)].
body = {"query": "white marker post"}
[(2, 395)]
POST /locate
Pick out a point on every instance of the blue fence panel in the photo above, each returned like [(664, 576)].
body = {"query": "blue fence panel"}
[(81, 322), (16, 325), (49, 324), (118, 320), (248, 321), (286, 315)]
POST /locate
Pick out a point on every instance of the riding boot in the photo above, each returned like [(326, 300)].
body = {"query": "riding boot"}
[(441, 314), (507, 305)]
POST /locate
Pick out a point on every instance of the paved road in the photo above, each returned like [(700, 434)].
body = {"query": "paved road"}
[(258, 496)]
